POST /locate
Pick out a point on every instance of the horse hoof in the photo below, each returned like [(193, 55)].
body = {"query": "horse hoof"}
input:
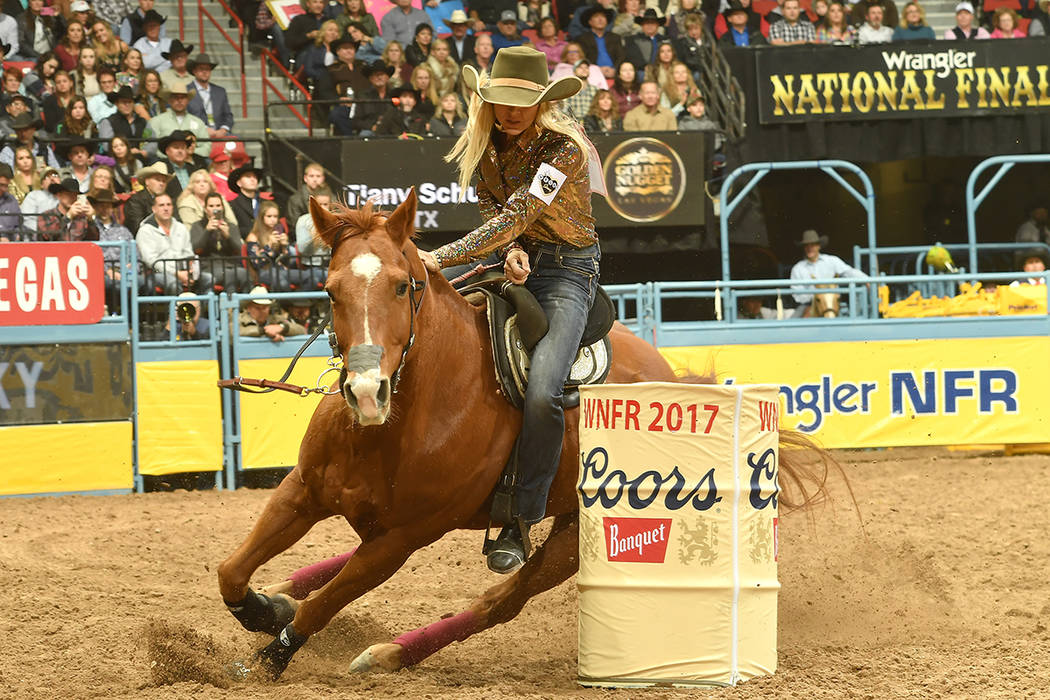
[(378, 657), (238, 671), (364, 663)]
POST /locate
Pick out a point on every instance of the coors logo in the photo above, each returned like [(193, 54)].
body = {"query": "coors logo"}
[(636, 539), (645, 178)]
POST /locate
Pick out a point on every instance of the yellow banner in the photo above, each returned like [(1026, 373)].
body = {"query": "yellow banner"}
[(273, 425), (896, 393), (179, 417), (65, 457)]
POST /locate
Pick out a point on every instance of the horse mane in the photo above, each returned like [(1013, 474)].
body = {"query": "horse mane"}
[(354, 222)]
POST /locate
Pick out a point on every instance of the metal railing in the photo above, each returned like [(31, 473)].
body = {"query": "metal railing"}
[(724, 97), (267, 56), (975, 199), (237, 45)]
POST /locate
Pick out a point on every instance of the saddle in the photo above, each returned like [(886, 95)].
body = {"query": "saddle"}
[(517, 322)]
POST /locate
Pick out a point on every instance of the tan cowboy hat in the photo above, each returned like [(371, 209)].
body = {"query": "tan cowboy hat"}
[(811, 236), (258, 296), (157, 168), (457, 17), (520, 79)]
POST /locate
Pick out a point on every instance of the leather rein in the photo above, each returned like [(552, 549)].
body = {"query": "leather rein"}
[(265, 386)]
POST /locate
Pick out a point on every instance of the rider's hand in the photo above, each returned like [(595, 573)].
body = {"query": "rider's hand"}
[(516, 267), (429, 261)]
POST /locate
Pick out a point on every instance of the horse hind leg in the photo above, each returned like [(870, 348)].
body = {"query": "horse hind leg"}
[(552, 563)]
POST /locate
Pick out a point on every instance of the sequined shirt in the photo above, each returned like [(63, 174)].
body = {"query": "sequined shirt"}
[(512, 213)]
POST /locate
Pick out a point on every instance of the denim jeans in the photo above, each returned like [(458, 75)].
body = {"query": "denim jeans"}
[(564, 281)]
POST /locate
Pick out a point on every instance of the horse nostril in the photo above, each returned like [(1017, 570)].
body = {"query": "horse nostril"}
[(383, 395)]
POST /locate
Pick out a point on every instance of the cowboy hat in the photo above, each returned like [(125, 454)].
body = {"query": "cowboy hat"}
[(64, 147), (457, 17), (258, 296), (159, 168), (201, 59), (176, 47), (241, 172), (406, 89), (520, 79), (377, 67), (153, 16), (585, 16), (25, 120), (179, 87), (124, 93), (177, 136), (342, 41), (651, 14), (810, 236), (101, 197), (67, 184)]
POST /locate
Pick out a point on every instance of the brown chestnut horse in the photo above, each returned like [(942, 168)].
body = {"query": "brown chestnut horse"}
[(405, 463)]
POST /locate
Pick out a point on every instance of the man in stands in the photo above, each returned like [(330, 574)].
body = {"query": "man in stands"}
[(262, 319), (859, 12), (460, 44), (177, 117), (208, 102), (400, 22), (41, 200), (25, 126), (792, 31), (9, 36), (100, 106), (76, 151), (162, 237), (403, 119), (374, 101), (71, 219), (16, 104), (304, 28), (641, 47), (601, 47), (964, 28), (153, 179), (10, 212), (687, 47), (346, 74), (816, 265), (214, 236), (872, 31), (152, 45), (244, 182), (1035, 228), (649, 115), (109, 229), (506, 33), (739, 33), (178, 56), (125, 121), (313, 184), (175, 147), (305, 242), (131, 29)]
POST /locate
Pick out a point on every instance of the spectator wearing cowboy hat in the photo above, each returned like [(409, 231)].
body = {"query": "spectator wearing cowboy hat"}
[(460, 43), (25, 127), (175, 147), (109, 229), (244, 182), (71, 219), (1033, 261), (124, 122), (375, 101), (403, 118), (601, 47), (641, 47), (346, 73), (77, 152), (740, 31), (178, 56), (817, 265), (154, 179), (576, 24), (13, 106), (131, 26), (208, 101), (261, 318), (152, 45), (177, 116)]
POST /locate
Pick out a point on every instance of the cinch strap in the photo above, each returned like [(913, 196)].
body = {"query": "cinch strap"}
[(516, 82)]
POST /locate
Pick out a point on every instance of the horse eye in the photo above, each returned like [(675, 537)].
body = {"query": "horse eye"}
[(402, 289)]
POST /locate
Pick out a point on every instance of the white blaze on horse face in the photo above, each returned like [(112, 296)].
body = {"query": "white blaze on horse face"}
[(367, 267)]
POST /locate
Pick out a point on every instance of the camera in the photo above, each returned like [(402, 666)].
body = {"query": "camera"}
[(185, 312)]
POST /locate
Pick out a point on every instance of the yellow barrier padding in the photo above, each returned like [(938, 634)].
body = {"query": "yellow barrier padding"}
[(273, 425), (972, 300), (66, 457), (896, 393), (180, 417), (1038, 448)]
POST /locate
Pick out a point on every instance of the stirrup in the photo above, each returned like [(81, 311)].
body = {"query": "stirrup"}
[(511, 548)]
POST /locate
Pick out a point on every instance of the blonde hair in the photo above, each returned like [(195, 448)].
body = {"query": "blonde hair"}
[(922, 14), (432, 89), (262, 233), (670, 88), (470, 147), (195, 177)]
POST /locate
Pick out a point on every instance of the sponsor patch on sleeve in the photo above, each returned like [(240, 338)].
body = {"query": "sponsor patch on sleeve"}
[(546, 183)]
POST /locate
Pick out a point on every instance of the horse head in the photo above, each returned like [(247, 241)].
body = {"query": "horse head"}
[(375, 281)]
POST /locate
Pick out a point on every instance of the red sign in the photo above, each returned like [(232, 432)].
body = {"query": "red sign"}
[(637, 539), (51, 284)]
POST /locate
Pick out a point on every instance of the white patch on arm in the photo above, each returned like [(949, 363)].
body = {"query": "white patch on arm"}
[(547, 182), (366, 266)]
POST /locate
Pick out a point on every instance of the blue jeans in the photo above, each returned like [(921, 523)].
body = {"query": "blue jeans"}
[(564, 281)]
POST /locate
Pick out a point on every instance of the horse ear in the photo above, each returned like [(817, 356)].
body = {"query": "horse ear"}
[(326, 224), (402, 223)]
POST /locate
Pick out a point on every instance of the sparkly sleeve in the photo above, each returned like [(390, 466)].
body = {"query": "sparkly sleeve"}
[(486, 202), (520, 210)]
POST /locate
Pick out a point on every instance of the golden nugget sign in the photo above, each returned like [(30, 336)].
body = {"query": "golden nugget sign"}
[(645, 178), (903, 81)]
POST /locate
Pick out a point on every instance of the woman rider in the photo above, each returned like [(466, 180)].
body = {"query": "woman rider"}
[(535, 197)]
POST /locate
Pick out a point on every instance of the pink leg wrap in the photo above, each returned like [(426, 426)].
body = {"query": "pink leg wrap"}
[(310, 578), (421, 643)]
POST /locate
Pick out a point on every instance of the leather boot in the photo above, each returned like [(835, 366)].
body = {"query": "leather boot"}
[(508, 553)]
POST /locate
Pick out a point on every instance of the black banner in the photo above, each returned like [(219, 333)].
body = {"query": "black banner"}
[(654, 180), (65, 383), (906, 80)]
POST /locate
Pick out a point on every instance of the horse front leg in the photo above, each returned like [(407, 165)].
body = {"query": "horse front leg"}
[(554, 562), (289, 514)]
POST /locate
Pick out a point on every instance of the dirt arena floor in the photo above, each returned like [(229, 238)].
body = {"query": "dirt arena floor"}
[(938, 590)]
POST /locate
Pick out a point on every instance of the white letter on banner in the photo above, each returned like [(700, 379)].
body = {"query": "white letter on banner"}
[(51, 288), (76, 271), (25, 284), (29, 379), (5, 305)]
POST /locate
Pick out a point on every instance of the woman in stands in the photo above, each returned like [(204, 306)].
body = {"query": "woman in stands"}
[(40, 81), (318, 56), (109, 49), (681, 88), (125, 166), (450, 120), (543, 220), (549, 42), (604, 115), (394, 55), (78, 121), (443, 66), (625, 87), (572, 55), (676, 20), (913, 25), (268, 248), (820, 11), (355, 11), (150, 103), (26, 178), (424, 83), (36, 32), (101, 179), (86, 75), (69, 46), (625, 25), (835, 29), (1006, 24), (131, 70), (659, 71), (55, 105), (419, 50), (190, 204)]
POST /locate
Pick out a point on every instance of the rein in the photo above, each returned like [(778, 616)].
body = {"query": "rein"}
[(335, 361)]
